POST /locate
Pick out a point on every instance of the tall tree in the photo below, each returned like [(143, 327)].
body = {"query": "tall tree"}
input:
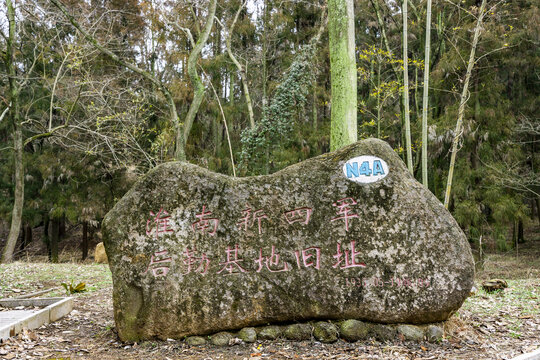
[(343, 73), (241, 70), (198, 87), (463, 101), (9, 59), (425, 98), (406, 89)]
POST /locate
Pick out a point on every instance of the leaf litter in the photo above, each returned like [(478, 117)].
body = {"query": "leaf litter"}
[(498, 325)]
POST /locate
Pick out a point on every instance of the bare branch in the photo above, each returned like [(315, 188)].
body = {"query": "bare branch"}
[(180, 142), (224, 123), (4, 112)]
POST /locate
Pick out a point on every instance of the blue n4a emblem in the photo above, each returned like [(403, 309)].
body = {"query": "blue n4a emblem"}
[(365, 169)]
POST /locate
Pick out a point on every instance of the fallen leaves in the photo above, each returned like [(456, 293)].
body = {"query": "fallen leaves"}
[(489, 326)]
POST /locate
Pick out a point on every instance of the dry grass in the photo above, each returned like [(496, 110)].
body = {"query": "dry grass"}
[(21, 278), (498, 325)]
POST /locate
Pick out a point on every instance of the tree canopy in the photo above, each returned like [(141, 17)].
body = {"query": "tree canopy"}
[(87, 109)]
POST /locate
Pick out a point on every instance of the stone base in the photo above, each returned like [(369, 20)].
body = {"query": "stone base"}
[(325, 332)]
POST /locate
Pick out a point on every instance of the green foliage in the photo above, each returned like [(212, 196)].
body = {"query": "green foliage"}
[(276, 125), (119, 126)]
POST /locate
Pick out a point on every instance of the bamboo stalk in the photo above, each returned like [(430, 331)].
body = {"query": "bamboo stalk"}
[(406, 91), (425, 98), (463, 101)]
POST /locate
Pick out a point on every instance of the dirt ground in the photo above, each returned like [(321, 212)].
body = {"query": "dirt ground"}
[(488, 326)]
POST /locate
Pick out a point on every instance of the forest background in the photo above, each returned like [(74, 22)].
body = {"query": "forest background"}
[(244, 89)]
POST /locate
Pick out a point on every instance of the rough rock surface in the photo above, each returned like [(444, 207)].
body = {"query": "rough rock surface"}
[(248, 335), (194, 252), (221, 339), (411, 332), (195, 341), (269, 333), (383, 332), (325, 332), (298, 332), (100, 256), (434, 333), (354, 330)]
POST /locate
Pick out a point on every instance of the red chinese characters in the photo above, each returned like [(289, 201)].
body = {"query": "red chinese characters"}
[(310, 256), (271, 262), (345, 211), (347, 259), (159, 224), (250, 217), (301, 215), (159, 263), (231, 265), (205, 224), (195, 263)]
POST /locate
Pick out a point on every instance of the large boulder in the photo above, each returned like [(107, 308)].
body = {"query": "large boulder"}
[(345, 235)]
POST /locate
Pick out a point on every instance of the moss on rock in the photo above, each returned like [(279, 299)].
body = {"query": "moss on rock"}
[(221, 339), (195, 340), (248, 335), (269, 332), (383, 332), (298, 332), (354, 330), (325, 332), (411, 332)]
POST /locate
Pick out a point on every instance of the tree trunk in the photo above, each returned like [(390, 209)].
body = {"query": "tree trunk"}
[(46, 237), (16, 214), (406, 90), (22, 238), (26, 237), (264, 51), (416, 102), (29, 236), (514, 233), (343, 73), (383, 34), (54, 239), (226, 127), (463, 101), (91, 231), (231, 87), (241, 70), (520, 235), (62, 230), (425, 98), (378, 100), (198, 87), (84, 244), (314, 105), (533, 209), (538, 208)]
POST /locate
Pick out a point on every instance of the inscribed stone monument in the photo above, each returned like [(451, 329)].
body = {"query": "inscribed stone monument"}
[(346, 235)]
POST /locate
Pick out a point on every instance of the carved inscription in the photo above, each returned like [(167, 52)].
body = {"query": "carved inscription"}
[(271, 260)]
